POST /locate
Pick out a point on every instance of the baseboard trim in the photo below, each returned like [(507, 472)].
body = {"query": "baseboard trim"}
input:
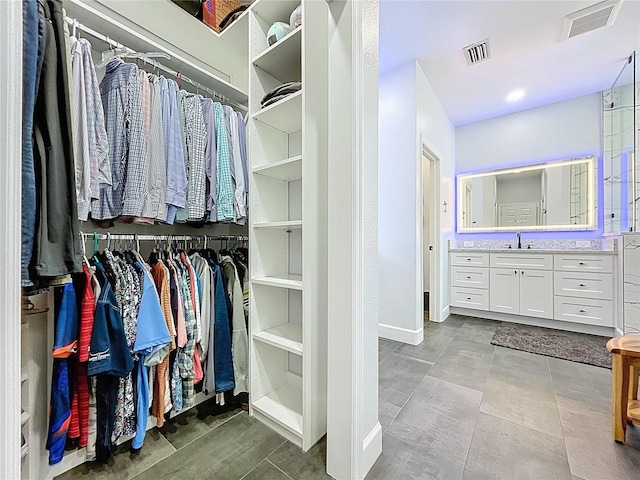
[(399, 334), (371, 448), (536, 322)]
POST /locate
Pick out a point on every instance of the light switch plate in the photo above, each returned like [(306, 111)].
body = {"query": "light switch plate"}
[(583, 243)]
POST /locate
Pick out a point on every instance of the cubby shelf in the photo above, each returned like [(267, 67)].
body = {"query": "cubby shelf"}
[(289, 169), (283, 406), (285, 115), (286, 225), (287, 336), (294, 282), (282, 60)]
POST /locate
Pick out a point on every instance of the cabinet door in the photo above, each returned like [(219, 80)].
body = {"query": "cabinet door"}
[(504, 290), (536, 293)]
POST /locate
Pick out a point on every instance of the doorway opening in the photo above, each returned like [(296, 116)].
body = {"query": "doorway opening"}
[(430, 232)]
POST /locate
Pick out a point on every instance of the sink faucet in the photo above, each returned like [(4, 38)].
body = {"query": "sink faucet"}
[(519, 240)]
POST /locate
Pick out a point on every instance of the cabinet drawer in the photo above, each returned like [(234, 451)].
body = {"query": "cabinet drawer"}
[(537, 261), (473, 277), (583, 310), (584, 285), (469, 259), (583, 263), (470, 298)]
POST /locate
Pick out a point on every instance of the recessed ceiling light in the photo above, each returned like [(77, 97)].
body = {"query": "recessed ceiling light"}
[(515, 96)]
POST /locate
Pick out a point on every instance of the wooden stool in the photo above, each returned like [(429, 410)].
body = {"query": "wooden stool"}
[(626, 368)]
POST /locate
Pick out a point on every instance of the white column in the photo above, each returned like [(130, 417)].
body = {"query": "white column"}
[(10, 198), (354, 433)]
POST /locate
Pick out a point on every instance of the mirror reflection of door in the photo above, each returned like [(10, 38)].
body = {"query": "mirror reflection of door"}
[(519, 214)]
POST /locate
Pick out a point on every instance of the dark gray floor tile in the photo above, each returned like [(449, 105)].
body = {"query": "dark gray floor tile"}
[(439, 419), (583, 383), (124, 465), (465, 362), (592, 453), (522, 395), (386, 413), (265, 471), (453, 322), (399, 375), (404, 461), (184, 429), (434, 344), (385, 347), (300, 465), (518, 361), (227, 452), (503, 450), (478, 329)]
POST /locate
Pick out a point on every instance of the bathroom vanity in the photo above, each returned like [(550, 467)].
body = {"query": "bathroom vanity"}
[(565, 289)]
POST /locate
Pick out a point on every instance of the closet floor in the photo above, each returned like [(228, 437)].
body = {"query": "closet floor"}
[(456, 407), (453, 407)]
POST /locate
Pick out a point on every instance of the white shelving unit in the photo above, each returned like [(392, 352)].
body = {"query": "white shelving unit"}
[(288, 231)]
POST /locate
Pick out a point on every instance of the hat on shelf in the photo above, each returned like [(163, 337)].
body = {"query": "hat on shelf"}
[(296, 17), (277, 32)]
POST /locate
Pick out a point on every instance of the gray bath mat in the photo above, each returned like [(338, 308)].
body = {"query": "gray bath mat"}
[(589, 349)]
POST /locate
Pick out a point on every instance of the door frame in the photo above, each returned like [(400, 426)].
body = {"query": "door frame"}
[(427, 154)]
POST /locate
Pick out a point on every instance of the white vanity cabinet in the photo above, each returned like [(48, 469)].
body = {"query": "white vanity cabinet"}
[(524, 288), (574, 287), (583, 286), (470, 280)]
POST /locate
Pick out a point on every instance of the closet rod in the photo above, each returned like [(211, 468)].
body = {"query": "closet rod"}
[(75, 24), (133, 236)]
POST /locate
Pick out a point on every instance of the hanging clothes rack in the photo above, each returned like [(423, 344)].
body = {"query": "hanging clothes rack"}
[(164, 237), (76, 25)]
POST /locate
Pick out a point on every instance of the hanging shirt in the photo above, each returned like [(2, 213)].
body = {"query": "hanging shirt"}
[(154, 202), (122, 99), (210, 157), (225, 189), (239, 199), (176, 192), (242, 136), (196, 137)]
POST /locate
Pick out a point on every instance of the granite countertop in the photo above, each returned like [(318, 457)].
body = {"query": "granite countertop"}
[(533, 250)]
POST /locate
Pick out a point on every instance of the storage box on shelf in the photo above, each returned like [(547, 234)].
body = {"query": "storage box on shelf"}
[(287, 142)]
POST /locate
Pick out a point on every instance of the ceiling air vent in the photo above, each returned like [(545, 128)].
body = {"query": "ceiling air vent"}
[(477, 52), (591, 18)]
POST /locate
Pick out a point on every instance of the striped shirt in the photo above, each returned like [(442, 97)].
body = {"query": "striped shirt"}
[(196, 137), (122, 100), (224, 181)]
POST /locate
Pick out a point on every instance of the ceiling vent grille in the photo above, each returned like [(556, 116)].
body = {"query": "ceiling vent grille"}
[(591, 18), (477, 52)]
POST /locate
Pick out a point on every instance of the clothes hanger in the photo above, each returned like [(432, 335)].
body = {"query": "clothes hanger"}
[(84, 250)]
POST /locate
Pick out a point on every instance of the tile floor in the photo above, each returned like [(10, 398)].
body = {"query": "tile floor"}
[(453, 407)]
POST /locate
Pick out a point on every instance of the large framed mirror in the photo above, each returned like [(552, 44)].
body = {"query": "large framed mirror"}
[(557, 195)]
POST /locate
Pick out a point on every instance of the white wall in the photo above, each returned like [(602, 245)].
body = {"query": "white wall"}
[(426, 238), (439, 134), (557, 196), (409, 110), (397, 206), (556, 131), (519, 190)]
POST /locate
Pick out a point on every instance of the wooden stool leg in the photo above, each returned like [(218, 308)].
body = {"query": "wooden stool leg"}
[(633, 382), (620, 387)]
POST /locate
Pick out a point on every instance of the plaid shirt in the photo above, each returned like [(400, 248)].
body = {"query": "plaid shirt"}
[(224, 182), (196, 137), (184, 357), (91, 147), (122, 100)]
